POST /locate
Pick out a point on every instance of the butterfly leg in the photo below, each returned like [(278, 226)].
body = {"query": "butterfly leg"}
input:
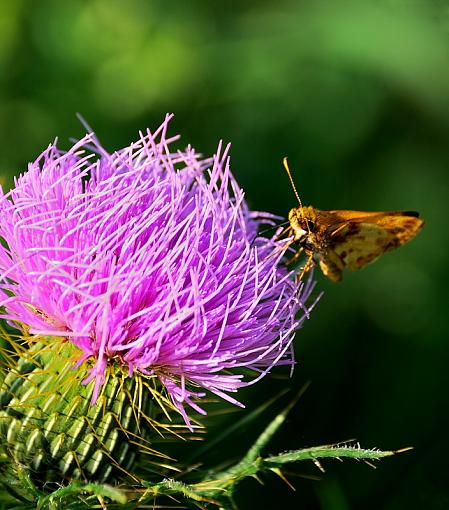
[(295, 257), (279, 249), (307, 267), (284, 231), (339, 229)]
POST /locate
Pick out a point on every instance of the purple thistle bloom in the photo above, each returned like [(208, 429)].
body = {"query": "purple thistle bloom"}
[(148, 259)]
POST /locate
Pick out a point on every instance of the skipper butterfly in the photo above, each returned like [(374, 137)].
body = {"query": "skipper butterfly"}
[(337, 240)]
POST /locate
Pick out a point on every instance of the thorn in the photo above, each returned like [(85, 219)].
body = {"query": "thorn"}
[(318, 465), (101, 501), (402, 450), (315, 478), (258, 479), (283, 478)]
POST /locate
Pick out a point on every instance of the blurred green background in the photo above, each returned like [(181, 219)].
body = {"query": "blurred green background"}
[(357, 95)]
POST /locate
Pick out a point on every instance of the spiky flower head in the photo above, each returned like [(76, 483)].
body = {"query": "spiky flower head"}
[(148, 259)]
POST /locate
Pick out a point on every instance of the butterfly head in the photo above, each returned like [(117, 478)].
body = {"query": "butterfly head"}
[(302, 223)]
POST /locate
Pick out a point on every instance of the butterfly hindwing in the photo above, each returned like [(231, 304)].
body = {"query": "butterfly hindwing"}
[(364, 238)]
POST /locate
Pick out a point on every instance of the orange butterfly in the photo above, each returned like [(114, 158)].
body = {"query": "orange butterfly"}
[(337, 240)]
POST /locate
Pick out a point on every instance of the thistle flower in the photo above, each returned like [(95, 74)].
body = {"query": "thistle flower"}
[(144, 259), (148, 263)]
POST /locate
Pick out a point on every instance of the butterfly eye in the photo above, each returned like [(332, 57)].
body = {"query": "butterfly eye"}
[(311, 225)]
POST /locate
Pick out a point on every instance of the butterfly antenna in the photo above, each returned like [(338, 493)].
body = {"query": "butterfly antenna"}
[(287, 169)]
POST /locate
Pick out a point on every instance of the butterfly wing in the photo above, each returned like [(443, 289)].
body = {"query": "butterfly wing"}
[(357, 238)]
